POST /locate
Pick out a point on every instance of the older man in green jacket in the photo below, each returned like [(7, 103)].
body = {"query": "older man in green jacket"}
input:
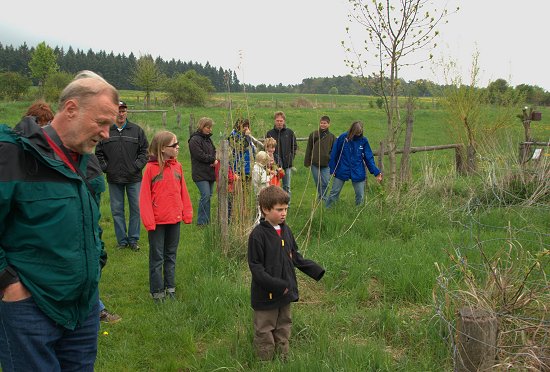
[(49, 233)]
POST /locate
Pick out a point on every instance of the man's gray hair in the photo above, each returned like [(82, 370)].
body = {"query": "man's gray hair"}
[(87, 84)]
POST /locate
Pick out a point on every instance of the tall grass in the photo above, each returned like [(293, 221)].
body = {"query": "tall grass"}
[(373, 310)]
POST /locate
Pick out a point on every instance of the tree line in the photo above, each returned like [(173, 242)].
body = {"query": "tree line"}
[(119, 70)]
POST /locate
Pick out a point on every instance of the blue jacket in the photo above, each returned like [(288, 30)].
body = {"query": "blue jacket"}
[(348, 159), (241, 146)]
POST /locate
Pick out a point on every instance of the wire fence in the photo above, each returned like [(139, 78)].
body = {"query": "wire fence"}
[(508, 280)]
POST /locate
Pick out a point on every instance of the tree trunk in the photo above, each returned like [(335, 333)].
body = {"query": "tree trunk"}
[(405, 159), (381, 157), (393, 164)]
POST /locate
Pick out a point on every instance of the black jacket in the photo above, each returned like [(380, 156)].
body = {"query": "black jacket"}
[(286, 145), (272, 259), (203, 154), (123, 155), (319, 145)]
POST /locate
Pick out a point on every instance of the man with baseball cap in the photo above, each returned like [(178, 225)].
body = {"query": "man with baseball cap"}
[(122, 157)]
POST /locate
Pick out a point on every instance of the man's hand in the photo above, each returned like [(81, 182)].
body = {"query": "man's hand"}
[(379, 177), (15, 292)]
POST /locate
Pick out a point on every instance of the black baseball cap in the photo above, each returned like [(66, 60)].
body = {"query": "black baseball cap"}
[(122, 104)]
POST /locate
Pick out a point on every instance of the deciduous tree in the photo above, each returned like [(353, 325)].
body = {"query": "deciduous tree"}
[(394, 31), (471, 121), (147, 76), (43, 63)]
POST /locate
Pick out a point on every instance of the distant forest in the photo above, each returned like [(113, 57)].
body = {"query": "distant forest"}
[(118, 69)]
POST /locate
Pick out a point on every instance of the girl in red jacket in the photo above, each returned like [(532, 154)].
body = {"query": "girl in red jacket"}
[(163, 202)]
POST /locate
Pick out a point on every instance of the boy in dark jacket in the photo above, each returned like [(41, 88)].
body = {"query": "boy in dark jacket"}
[(319, 146), (272, 257)]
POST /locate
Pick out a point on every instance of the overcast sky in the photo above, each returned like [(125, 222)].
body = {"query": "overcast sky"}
[(281, 41)]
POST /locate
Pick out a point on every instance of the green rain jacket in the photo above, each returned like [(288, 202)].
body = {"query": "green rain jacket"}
[(49, 225)]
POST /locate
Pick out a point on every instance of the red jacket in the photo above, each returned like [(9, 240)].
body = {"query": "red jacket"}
[(230, 177), (164, 199)]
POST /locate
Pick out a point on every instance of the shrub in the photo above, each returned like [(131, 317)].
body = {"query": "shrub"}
[(189, 89), (13, 85), (54, 84)]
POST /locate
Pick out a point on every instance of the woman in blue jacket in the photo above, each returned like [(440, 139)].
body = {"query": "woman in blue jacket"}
[(349, 156)]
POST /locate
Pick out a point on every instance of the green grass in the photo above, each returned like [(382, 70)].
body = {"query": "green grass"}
[(373, 310)]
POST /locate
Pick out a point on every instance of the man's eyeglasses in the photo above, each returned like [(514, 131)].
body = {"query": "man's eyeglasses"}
[(173, 145), (122, 111)]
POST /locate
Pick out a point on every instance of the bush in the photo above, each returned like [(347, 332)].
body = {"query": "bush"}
[(189, 89), (13, 85), (54, 84)]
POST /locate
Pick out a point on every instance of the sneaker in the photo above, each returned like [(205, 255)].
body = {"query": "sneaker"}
[(134, 247), (158, 297), (122, 246), (107, 317), (171, 295)]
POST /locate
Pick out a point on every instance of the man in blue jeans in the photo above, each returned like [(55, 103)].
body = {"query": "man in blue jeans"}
[(49, 233), (122, 157)]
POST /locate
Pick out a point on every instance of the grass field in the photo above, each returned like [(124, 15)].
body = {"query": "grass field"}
[(375, 309)]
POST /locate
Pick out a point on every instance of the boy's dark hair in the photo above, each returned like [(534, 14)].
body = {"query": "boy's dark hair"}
[(325, 118), (272, 195)]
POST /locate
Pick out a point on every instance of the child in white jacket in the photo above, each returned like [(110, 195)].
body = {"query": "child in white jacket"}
[(260, 178)]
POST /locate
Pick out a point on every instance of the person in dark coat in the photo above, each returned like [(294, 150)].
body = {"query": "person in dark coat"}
[(272, 258), (203, 163), (122, 157), (286, 146), (319, 146)]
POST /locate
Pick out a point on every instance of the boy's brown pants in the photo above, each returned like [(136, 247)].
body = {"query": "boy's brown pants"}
[(272, 328)]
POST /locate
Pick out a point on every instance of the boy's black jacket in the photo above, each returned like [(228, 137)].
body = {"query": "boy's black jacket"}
[(272, 259)]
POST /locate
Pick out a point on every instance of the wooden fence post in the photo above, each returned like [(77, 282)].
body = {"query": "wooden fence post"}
[(223, 215), (459, 159), (163, 119), (191, 125), (178, 119), (476, 340)]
